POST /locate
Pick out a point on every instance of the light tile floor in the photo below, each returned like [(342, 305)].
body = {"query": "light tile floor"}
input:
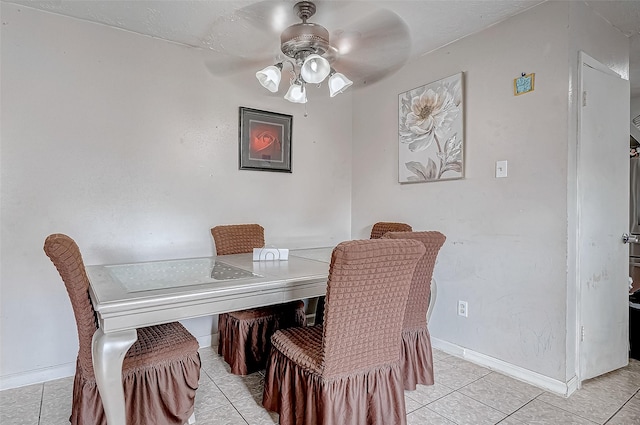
[(464, 393)]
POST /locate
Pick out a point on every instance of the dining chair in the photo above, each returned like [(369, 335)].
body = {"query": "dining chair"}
[(416, 356), (382, 227), (244, 336), (377, 231), (160, 371), (347, 371)]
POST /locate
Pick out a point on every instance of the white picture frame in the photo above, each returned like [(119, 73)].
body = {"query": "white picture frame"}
[(431, 131)]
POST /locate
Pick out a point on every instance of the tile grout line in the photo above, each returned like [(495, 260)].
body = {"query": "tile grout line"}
[(225, 396), (464, 395), (481, 402), (621, 407), (565, 410), (41, 402), (521, 407)]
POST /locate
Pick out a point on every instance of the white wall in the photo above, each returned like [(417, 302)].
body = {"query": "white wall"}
[(130, 145), (507, 239)]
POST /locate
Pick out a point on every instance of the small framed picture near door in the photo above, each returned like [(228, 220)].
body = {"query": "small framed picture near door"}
[(265, 140)]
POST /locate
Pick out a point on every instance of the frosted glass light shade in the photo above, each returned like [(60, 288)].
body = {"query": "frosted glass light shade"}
[(338, 83), (296, 94), (270, 77), (315, 69)]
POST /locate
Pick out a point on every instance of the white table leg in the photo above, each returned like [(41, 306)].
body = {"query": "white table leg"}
[(108, 351), (432, 299)]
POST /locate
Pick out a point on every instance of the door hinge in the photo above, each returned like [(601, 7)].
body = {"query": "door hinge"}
[(584, 98), (581, 333)]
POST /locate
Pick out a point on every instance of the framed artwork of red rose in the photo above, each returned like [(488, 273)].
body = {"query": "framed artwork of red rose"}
[(265, 140)]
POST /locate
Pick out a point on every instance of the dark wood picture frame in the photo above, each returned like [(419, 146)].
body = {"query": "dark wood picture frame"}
[(265, 140)]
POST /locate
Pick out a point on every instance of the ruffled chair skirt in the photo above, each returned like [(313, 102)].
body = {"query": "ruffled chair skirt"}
[(416, 358), (302, 397), (245, 336), (162, 393)]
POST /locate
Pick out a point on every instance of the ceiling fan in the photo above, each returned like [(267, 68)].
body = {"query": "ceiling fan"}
[(308, 50), (365, 45)]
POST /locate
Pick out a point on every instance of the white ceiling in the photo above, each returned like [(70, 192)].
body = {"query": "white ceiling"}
[(244, 35)]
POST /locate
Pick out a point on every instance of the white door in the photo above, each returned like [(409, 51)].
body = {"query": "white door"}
[(603, 216)]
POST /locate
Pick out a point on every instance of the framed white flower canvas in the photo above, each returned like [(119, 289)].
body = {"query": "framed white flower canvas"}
[(430, 132)]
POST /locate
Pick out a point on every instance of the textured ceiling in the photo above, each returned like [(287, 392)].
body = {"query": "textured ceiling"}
[(243, 35), (624, 15), (213, 24), (238, 37)]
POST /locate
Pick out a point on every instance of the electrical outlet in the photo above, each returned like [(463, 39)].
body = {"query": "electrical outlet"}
[(463, 309)]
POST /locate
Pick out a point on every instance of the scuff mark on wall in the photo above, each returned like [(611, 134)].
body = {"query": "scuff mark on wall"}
[(597, 278), (536, 340)]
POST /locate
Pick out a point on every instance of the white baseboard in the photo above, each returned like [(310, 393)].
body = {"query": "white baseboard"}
[(68, 369), (37, 376), (525, 375), (544, 382)]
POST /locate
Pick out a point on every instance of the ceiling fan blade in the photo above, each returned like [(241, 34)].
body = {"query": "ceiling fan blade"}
[(269, 16), (223, 65), (363, 74), (247, 37), (372, 47)]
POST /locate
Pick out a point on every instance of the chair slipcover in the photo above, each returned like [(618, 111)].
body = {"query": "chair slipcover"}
[(382, 227), (347, 370), (237, 238), (160, 372), (244, 337), (416, 357), (377, 230)]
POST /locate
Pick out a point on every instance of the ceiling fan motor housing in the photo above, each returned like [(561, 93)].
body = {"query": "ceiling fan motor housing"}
[(300, 40)]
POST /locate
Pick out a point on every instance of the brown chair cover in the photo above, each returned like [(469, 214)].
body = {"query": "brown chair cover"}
[(416, 357), (347, 370), (237, 238), (160, 372), (244, 337), (377, 230), (382, 227)]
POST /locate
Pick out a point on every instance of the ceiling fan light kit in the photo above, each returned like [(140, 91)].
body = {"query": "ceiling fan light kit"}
[(315, 69), (338, 83), (270, 77), (296, 93), (306, 44)]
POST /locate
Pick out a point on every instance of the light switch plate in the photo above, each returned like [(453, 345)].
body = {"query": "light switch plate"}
[(501, 168)]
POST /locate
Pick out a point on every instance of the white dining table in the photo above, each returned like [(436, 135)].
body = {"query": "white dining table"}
[(130, 296)]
